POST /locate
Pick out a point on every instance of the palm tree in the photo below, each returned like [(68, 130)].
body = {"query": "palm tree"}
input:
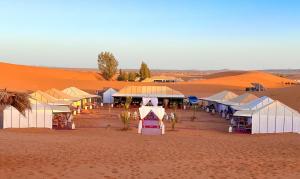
[(18, 100)]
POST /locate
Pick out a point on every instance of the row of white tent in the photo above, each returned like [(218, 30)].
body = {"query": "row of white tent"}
[(44, 105), (266, 115)]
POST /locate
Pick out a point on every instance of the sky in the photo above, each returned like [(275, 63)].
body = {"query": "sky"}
[(166, 34)]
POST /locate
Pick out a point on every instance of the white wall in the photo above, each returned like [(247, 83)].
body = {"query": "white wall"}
[(276, 118), (38, 117)]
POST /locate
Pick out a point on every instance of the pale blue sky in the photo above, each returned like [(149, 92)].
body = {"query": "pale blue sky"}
[(207, 34)]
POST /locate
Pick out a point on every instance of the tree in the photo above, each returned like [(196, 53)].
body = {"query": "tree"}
[(120, 77), (131, 76), (144, 71), (126, 76), (107, 64)]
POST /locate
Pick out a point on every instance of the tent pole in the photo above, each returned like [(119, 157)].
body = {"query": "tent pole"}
[(44, 117), (36, 114), (284, 120), (258, 121), (292, 122), (10, 116), (276, 118), (268, 119)]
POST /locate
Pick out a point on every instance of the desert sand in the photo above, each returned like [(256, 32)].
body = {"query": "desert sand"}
[(98, 148)]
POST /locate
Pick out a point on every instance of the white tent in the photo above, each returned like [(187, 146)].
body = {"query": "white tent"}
[(274, 117), (222, 96), (40, 116), (107, 96), (78, 93), (219, 98)]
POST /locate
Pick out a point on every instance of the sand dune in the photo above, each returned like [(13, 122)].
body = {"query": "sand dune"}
[(245, 80), (20, 77)]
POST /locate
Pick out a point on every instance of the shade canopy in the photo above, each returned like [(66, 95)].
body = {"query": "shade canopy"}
[(157, 110), (149, 91)]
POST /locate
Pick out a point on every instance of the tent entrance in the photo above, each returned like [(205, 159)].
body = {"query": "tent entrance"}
[(242, 124), (62, 121)]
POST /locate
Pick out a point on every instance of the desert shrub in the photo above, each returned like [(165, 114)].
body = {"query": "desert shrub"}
[(125, 118)]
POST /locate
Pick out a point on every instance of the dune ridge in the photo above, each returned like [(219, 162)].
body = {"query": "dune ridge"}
[(245, 80), (23, 78)]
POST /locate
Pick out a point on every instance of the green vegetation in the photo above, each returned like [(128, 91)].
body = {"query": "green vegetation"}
[(144, 71), (125, 115), (107, 64)]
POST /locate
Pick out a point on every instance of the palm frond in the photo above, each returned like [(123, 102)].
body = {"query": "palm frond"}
[(18, 100)]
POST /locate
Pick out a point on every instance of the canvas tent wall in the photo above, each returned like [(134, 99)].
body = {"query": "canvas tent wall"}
[(274, 117), (39, 117)]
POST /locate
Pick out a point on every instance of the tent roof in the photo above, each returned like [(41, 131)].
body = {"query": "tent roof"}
[(60, 95), (276, 104), (242, 99), (46, 98), (157, 110), (162, 77), (254, 104), (221, 96), (78, 93), (149, 91)]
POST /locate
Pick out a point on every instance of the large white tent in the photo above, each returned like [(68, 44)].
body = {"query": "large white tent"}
[(274, 117), (40, 116)]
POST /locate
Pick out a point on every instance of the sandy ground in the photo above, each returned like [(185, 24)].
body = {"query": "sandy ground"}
[(100, 149), (199, 149)]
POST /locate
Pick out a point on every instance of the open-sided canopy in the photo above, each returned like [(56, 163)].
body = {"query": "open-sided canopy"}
[(149, 91), (157, 110)]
